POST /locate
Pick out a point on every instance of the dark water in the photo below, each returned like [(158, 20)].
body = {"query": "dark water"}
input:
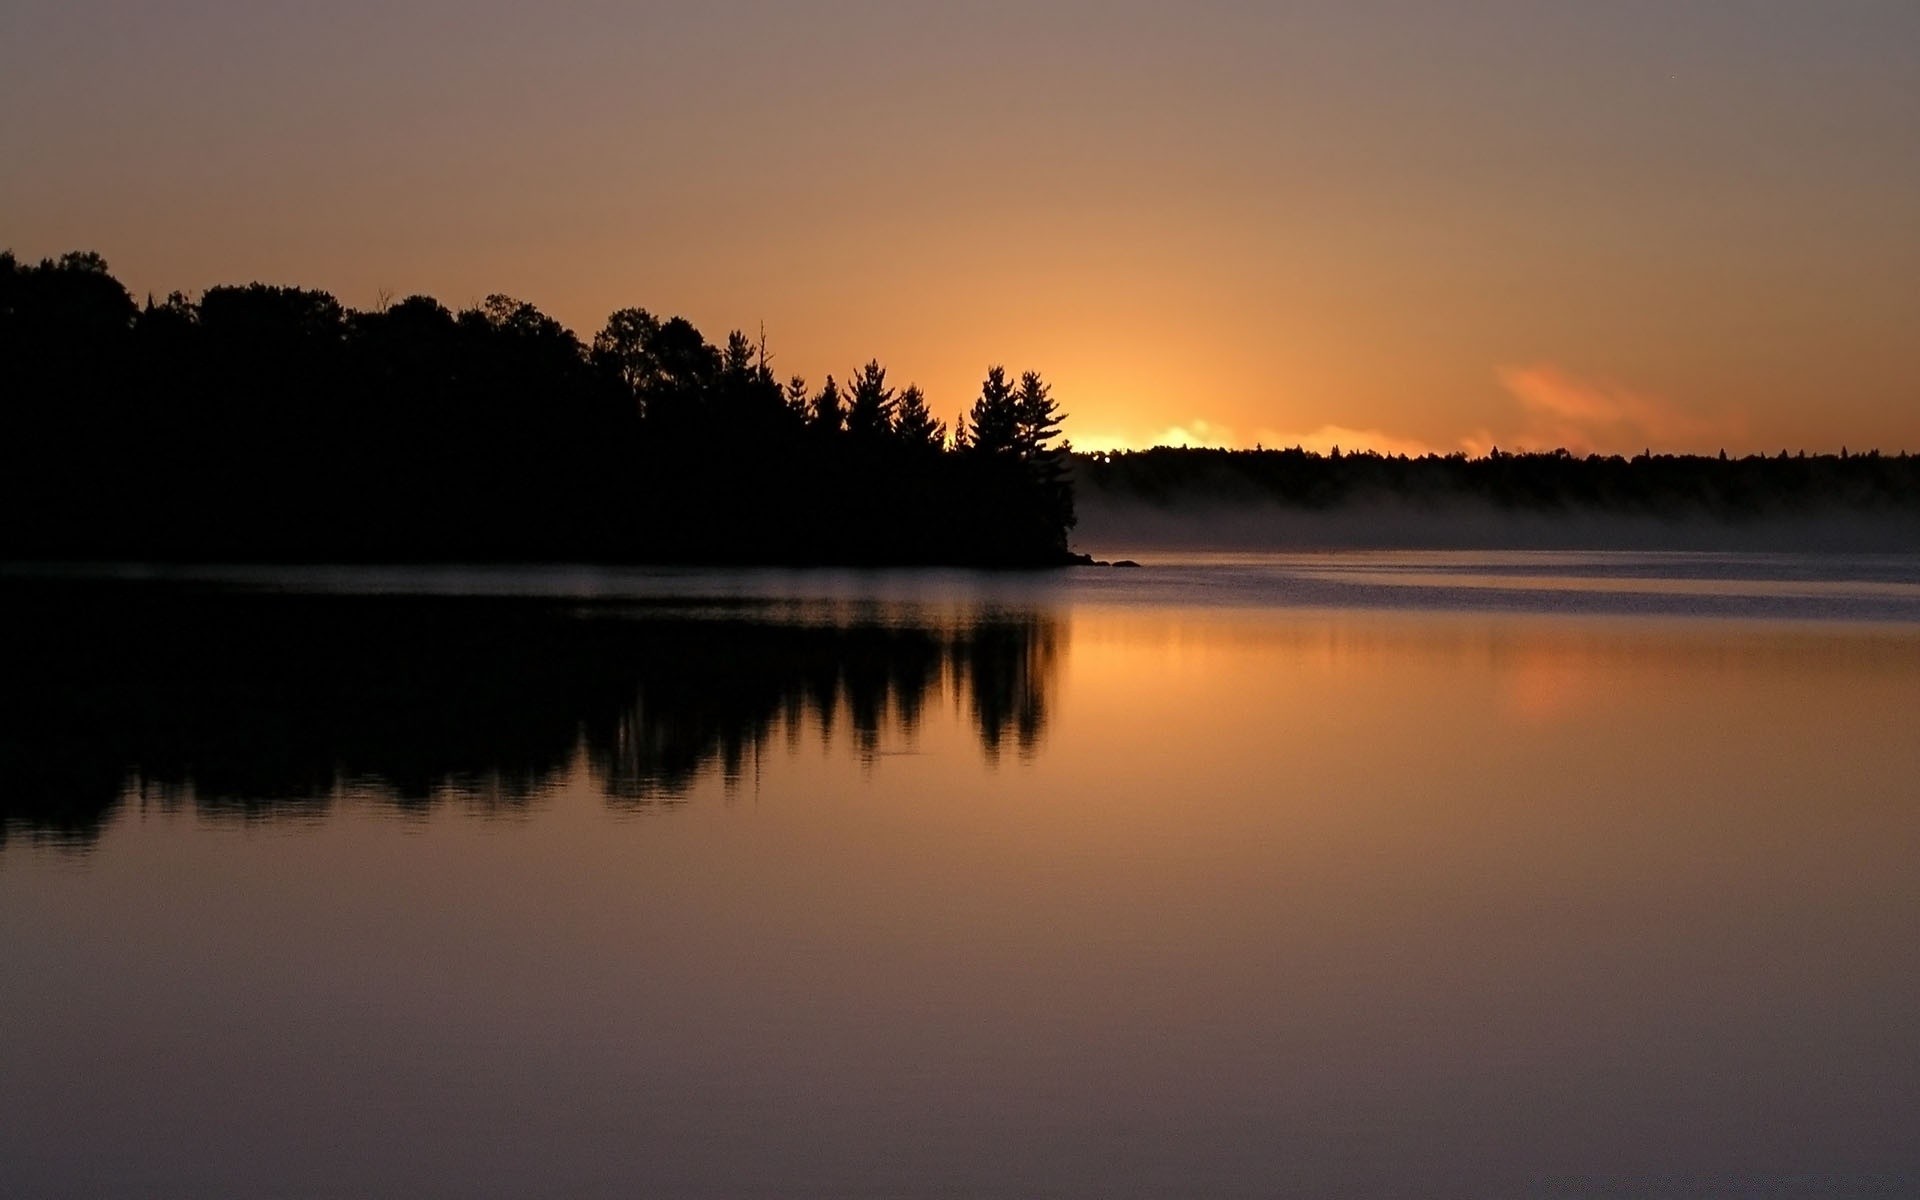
[(1335, 874)]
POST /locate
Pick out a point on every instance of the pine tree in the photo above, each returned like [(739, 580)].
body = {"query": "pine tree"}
[(993, 427), (829, 414), (1037, 423), (871, 404), (736, 361), (914, 425), (746, 393), (1036, 419)]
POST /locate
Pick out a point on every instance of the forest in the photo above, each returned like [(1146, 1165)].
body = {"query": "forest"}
[(261, 423), (1736, 490)]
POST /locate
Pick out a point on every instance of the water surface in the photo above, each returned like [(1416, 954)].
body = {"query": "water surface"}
[(1400, 874)]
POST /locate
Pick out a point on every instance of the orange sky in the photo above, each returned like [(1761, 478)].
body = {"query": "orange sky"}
[(1399, 225)]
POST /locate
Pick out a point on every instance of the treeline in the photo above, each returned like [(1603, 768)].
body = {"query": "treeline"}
[(1658, 485), (262, 423)]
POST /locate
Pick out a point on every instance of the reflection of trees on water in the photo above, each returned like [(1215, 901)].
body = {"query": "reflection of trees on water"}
[(253, 706), (717, 692)]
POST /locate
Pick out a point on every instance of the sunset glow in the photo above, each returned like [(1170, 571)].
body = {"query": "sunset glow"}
[(1396, 226), (1106, 599)]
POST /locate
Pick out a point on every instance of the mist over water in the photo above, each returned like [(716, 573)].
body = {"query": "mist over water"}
[(1333, 872), (1115, 525)]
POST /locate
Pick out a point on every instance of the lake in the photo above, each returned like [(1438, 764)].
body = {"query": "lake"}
[(1364, 873)]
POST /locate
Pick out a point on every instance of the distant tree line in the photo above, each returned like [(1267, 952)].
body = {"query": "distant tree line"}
[(1647, 484), (262, 423)]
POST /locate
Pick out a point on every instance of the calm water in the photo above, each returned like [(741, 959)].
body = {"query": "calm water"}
[(1382, 874)]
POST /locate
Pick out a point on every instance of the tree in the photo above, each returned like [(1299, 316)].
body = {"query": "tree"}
[(177, 311), (828, 413), (523, 348), (1036, 420), (993, 427), (796, 396), (622, 348), (85, 262), (686, 362), (870, 404), (657, 360), (265, 316), (914, 425), (1036, 423), (747, 399), (677, 371), (764, 367), (736, 361)]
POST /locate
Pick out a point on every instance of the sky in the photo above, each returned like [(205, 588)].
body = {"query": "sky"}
[(1405, 226)]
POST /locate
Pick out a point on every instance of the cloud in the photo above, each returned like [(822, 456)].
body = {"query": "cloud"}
[(1584, 416)]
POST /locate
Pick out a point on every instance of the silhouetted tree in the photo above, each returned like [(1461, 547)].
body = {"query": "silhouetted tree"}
[(736, 361), (870, 404), (1036, 417), (796, 397), (829, 414), (914, 424), (1036, 424), (686, 368), (993, 427), (622, 349), (749, 400)]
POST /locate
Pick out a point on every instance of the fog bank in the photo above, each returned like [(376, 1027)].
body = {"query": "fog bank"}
[(1111, 526)]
